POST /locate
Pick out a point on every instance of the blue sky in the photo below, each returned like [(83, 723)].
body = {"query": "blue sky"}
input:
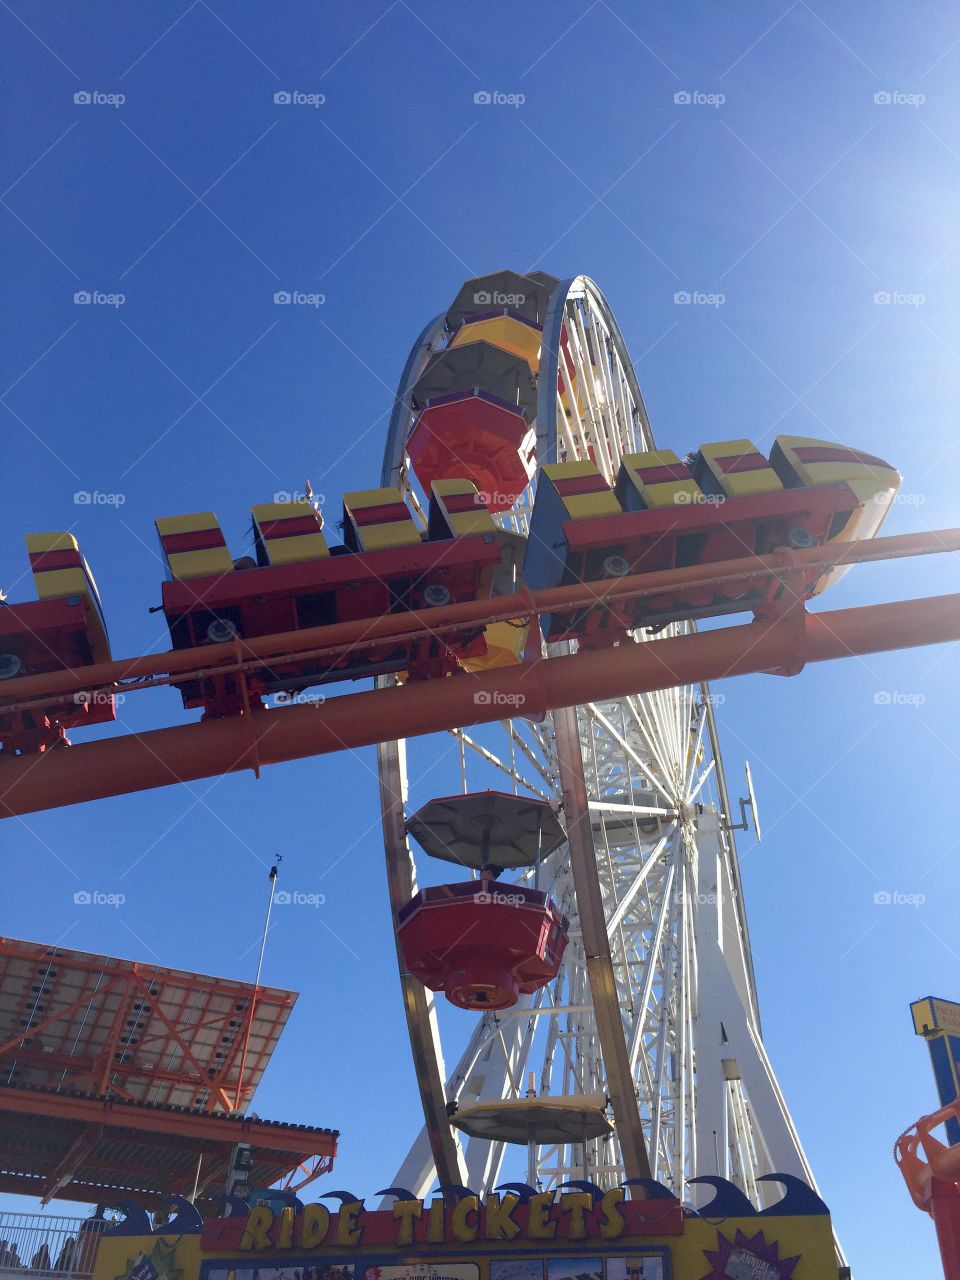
[(798, 197)]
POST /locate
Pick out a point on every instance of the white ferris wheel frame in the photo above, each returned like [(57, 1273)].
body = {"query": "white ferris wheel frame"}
[(655, 1006)]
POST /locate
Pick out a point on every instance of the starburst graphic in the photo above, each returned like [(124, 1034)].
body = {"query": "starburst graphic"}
[(748, 1258), (158, 1264)]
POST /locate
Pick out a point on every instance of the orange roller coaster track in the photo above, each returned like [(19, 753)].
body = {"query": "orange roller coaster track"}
[(780, 643)]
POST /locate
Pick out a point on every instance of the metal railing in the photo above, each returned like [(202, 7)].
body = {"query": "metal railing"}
[(46, 1245)]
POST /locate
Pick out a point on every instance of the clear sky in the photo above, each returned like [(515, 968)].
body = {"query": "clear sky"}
[(782, 184)]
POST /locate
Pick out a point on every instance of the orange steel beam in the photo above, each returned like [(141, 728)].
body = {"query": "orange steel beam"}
[(27, 692), (106, 1058), (310, 1173), (117, 766), (176, 1034), (66, 1167), (295, 1140), (83, 1074), (58, 1015)]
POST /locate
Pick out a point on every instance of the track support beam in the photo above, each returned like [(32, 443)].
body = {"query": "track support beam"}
[(139, 762)]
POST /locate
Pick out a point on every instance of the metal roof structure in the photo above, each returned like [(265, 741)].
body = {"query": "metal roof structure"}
[(76, 1020), (72, 1146), (119, 1077)]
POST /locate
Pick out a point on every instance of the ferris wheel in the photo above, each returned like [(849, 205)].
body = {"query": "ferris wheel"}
[(643, 1057)]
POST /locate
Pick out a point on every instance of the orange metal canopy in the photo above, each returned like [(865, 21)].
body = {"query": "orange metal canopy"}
[(76, 1020), (118, 1076), (74, 1147)]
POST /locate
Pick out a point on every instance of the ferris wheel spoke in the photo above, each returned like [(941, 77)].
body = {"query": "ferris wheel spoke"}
[(582, 364), (621, 742), (701, 782), (665, 1167), (686, 721), (657, 956), (677, 722), (576, 435), (627, 412), (664, 735), (543, 763), (544, 743), (694, 750), (645, 722), (652, 861), (609, 438), (585, 366), (492, 759)]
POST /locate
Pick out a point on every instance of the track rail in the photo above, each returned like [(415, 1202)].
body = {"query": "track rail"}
[(132, 674), (136, 762)]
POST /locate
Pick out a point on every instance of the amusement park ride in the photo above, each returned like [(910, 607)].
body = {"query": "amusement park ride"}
[(527, 577)]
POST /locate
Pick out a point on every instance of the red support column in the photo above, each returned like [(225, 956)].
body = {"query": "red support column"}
[(945, 1207)]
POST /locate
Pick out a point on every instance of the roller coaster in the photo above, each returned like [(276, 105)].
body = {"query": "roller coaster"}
[(527, 576)]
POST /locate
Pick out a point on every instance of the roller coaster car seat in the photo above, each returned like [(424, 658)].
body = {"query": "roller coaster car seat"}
[(801, 461), (63, 629), (297, 582), (456, 509), (730, 503)]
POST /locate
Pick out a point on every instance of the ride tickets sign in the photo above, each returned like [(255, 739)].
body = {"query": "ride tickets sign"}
[(543, 1219), (572, 1237)]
